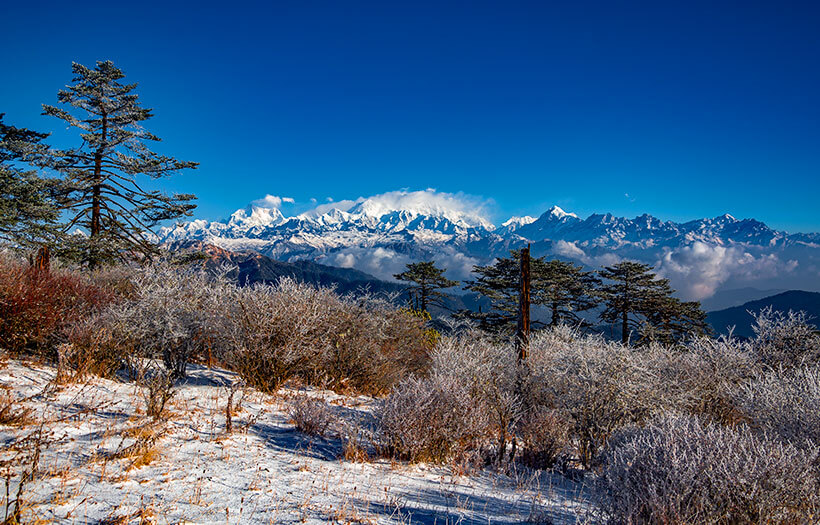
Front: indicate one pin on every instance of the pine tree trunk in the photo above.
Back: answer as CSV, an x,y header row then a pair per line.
x,y
424,293
625,327
96,194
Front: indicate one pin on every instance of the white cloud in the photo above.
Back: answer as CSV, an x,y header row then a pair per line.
x,y
573,251
343,205
345,260
457,207
568,249
384,263
454,206
699,269
271,202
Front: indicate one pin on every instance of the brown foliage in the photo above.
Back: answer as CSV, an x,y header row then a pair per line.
x,y
37,307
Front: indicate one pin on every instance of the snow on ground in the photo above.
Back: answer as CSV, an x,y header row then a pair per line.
x,y
188,470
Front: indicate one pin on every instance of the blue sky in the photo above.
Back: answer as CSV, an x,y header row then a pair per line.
x,y
678,109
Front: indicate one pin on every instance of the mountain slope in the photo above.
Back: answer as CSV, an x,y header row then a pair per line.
x,y
728,298
379,235
741,318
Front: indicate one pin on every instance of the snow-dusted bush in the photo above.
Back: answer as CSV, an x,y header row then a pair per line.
x,y
711,372
784,402
277,331
373,345
430,419
469,402
597,385
311,416
172,313
677,470
785,338
296,330
157,388
95,346
489,372
600,385
544,435
267,333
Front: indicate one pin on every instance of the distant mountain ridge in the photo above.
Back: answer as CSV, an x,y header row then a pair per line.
x,y
740,317
379,235
736,297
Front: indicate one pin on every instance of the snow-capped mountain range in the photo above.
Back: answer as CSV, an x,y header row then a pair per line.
x,y
380,234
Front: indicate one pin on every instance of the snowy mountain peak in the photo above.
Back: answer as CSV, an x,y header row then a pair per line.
x,y
382,233
514,223
255,217
402,206
518,221
558,213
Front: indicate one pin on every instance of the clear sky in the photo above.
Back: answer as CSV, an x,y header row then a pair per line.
x,y
679,109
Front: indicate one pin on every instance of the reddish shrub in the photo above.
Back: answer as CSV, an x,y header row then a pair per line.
x,y
36,307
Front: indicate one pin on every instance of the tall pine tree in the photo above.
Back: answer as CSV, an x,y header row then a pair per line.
x,y
427,281
28,209
628,291
562,287
499,282
104,195
567,290
670,320
640,302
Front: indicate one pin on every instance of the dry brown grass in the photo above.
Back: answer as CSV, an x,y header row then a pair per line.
x,y
11,413
144,450
355,452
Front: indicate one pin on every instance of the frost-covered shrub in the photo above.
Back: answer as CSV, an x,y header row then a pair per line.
x,y
784,402
489,373
372,346
599,385
785,338
277,331
172,313
677,470
595,384
467,403
296,330
712,370
95,346
430,419
311,416
544,435
157,388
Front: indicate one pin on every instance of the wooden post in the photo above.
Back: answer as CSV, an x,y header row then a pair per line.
x,y
41,262
523,333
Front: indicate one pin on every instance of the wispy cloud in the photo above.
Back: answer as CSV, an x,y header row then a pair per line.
x,y
272,201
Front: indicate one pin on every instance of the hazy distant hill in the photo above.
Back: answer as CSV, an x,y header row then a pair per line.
x,y
741,319
728,298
